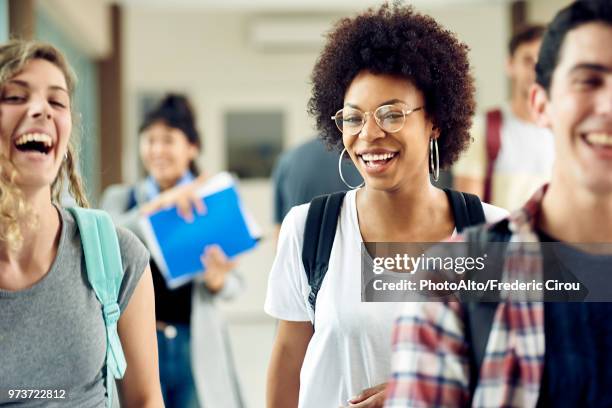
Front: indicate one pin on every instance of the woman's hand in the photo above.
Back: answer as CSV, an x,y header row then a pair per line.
x,y
370,397
217,267
184,197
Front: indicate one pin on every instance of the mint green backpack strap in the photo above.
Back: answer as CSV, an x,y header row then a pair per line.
x,y
105,274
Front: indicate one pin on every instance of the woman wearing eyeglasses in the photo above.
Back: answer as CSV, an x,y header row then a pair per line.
x,y
392,90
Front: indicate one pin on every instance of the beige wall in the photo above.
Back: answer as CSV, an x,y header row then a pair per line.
x,y
543,11
87,22
209,56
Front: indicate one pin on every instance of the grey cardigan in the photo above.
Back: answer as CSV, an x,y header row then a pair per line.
x,y
212,363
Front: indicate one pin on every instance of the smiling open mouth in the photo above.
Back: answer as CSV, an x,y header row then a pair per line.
x,y
374,160
34,142
598,139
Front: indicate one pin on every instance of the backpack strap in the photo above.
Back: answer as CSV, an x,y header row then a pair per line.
x,y
474,208
105,274
478,320
478,315
319,234
494,122
467,209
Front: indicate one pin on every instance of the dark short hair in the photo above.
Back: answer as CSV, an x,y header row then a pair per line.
x,y
395,40
524,35
576,14
175,111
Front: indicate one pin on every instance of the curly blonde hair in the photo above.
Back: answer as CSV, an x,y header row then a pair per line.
x,y
15,214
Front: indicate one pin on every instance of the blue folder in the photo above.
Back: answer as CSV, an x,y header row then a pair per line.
x,y
176,245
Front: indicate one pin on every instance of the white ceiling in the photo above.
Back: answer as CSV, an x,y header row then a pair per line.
x,y
287,5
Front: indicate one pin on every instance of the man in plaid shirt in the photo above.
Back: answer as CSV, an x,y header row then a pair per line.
x,y
537,353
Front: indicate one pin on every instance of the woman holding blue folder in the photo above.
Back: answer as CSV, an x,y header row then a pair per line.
x,y
196,365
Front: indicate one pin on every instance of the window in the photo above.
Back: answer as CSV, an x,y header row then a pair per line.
x,y
254,141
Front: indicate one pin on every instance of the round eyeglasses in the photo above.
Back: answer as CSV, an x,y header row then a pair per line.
x,y
390,118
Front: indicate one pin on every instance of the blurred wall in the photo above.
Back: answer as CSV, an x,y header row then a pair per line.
x,y
86,22
4,20
209,56
543,11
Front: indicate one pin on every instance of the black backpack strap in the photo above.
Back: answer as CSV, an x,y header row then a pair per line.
x,y
474,209
319,234
478,320
478,315
467,209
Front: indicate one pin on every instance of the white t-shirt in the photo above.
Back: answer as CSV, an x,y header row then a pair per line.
x,y
350,349
524,162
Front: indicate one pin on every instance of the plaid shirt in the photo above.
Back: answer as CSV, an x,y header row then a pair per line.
x,y
430,363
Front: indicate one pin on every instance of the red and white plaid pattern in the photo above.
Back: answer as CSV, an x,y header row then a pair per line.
x,y
430,364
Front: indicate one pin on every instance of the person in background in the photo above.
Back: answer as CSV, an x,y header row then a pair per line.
x,y
297,181
544,354
52,329
392,89
511,156
196,364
